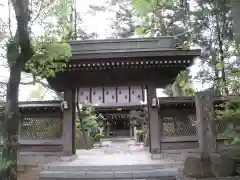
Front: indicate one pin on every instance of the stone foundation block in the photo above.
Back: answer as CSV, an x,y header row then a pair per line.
x,y
68,158
184,177
156,156
198,167
222,165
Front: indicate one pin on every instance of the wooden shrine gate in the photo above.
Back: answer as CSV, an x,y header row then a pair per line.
x,y
146,62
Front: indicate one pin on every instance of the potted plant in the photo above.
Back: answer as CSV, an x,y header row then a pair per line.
x,y
98,137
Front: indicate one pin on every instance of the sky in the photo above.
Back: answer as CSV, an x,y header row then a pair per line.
x,y
99,23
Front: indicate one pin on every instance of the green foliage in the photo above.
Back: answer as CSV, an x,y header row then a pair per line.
x,y
52,50
232,110
141,30
90,118
144,6
49,59
182,86
162,18
231,115
232,136
99,135
236,73
4,167
4,164
138,117
220,65
185,83
140,132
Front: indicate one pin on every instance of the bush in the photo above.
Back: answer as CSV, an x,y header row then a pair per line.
x,y
140,132
99,135
4,168
230,115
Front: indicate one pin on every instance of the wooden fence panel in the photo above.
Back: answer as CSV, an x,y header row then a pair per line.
x,y
178,119
40,127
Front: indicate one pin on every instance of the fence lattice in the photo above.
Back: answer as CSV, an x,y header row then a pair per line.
x,y
183,125
41,127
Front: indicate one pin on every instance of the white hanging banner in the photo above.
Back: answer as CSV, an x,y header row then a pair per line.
x,y
111,96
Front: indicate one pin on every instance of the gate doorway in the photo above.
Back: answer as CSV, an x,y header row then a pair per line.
x,y
120,128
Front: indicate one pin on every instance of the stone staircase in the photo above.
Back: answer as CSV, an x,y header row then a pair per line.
x,y
144,172
119,159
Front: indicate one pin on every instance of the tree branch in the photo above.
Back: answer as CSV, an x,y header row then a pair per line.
x,y
41,8
35,80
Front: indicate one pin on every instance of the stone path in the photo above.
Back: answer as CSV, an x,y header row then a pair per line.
x,y
118,153
118,160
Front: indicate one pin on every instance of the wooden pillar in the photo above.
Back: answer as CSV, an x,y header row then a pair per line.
x,y
206,122
69,124
154,125
74,121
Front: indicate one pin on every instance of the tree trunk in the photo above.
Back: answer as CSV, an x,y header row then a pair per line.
x,y
11,121
176,89
84,133
220,45
19,51
235,5
82,126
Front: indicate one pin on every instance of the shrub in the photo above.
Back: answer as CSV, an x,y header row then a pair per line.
x,y
4,168
140,132
98,137
230,115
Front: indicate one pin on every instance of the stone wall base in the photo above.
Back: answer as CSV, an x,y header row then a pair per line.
x,y
35,159
28,172
30,165
156,156
181,176
179,155
31,160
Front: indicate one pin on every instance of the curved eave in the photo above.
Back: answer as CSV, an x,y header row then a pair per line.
x,y
133,53
89,69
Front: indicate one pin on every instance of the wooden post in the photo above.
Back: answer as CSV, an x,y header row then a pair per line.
x,y
206,122
68,124
154,125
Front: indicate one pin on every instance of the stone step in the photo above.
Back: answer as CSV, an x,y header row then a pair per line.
x,y
135,167
160,174
117,139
